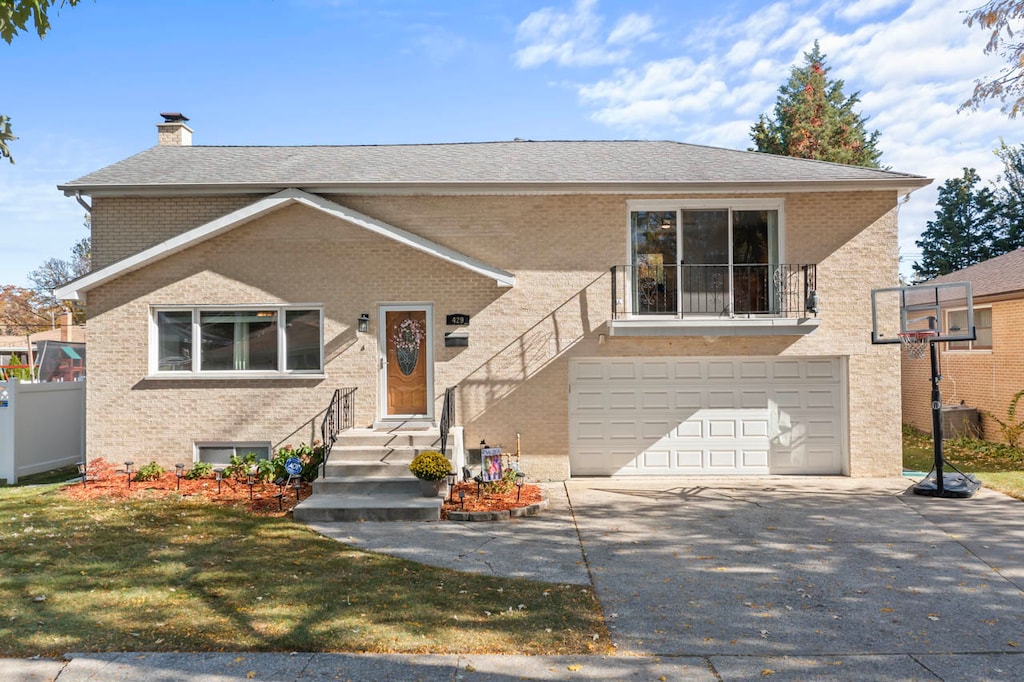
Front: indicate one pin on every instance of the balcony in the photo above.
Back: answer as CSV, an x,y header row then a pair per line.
x,y
713,300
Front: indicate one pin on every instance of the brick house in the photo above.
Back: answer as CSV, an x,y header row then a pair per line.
x,y
627,307
984,373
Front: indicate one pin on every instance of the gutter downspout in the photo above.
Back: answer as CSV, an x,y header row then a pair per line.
x,y
83,203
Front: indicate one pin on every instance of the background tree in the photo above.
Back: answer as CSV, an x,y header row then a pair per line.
x,y
15,16
813,119
1010,195
965,230
19,312
56,272
1003,20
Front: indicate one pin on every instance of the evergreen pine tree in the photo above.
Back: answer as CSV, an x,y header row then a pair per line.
x,y
965,230
813,119
1010,195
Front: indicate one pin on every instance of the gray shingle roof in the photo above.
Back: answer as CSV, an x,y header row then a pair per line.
x,y
468,164
1000,275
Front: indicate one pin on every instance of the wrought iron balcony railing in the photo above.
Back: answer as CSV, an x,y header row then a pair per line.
x,y
714,290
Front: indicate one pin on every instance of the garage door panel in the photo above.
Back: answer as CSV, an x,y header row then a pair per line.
x,y
755,459
722,459
655,400
590,370
590,430
654,371
621,370
786,370
691,428
721,400
754,428
822,369
689,400
822,399
717,369
657,460
623,429
754,400
688,369
588,400
623,400
753,370
654,430
714,415
689,461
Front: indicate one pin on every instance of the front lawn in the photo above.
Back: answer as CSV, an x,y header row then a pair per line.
x,y
181,575
1000,467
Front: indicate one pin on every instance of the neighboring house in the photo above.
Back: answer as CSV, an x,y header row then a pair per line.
x,y
58,353
984,373
627,307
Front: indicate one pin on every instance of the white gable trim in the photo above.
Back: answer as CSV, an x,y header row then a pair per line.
x,y
76,290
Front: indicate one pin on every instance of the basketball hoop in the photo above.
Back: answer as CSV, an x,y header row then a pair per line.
x,y
916,342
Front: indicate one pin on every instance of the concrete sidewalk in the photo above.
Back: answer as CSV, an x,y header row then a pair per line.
x,y
729,579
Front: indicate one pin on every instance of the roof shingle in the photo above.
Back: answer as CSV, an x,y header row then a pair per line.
x,y
1000,275
519,162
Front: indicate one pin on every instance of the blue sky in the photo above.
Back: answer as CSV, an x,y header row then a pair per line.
x,y
406,71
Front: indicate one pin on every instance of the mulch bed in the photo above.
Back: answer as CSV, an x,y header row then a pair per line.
x,y
489,501
108,481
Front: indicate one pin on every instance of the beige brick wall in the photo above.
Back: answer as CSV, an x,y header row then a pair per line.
x,y
986,380
513,377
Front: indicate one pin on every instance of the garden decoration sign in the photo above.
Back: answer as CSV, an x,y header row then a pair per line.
x,y
407,339
490,464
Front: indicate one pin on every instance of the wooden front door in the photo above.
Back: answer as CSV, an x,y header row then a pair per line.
x,y
407,363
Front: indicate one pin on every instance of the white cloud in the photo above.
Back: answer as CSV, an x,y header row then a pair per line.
x,y
574,39
913,62
632,27
863,9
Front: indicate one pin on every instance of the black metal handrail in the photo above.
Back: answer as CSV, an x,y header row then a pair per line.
x,y
447,415
340,415
775,290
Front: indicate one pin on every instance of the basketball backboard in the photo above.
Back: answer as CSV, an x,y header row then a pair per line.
x,y
947,309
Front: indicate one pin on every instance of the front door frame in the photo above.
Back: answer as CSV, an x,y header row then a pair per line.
x,y
382,402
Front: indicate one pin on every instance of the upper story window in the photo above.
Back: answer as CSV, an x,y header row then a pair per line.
x,y
957,319
714,257
236,341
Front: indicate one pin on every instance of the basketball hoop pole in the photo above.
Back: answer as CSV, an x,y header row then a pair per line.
x,y
959,485
940,460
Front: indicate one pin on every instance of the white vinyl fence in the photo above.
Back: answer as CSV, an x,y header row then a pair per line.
x,y
42,427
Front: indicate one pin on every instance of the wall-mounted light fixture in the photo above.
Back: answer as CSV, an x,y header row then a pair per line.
x,y
813,302
364,323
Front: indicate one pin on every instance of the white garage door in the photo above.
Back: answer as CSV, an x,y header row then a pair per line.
x,y
648,416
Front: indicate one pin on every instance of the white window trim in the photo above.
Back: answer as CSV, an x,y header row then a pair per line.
x,y
235,445
195,373
724,203
970,348
727,204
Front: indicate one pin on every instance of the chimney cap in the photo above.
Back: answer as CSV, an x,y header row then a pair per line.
x,y
174,117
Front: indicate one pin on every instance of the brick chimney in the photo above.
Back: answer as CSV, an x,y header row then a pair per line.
x,y
173,132
66,322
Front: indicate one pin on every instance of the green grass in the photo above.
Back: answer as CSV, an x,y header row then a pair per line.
x,y
999,466
175,575
54,476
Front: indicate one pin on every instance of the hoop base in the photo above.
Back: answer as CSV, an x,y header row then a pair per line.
x,y
954,485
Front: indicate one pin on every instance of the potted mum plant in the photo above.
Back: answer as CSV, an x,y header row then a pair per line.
x,y
431,467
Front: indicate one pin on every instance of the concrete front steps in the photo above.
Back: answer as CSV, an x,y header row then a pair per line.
x,y
368,479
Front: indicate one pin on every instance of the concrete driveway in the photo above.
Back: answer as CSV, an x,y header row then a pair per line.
x,y
720,580
835,572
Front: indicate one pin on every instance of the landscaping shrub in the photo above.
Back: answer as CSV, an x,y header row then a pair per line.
x,y
150,472
199,470
430,465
